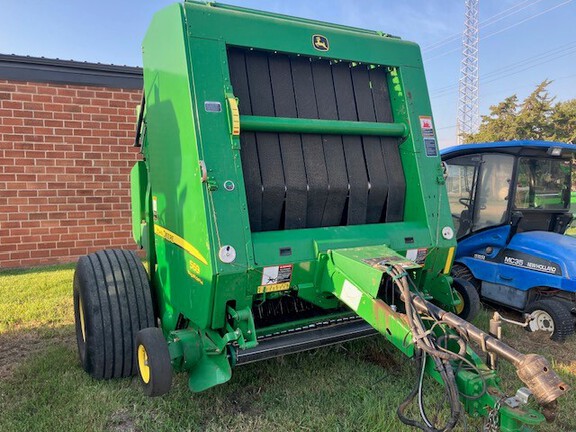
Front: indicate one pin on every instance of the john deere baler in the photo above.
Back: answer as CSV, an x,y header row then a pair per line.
x,y
290,196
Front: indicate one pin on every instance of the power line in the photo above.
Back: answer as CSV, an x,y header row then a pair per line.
x,y
489,94
526,63
505,29
559,52
527,19
489,21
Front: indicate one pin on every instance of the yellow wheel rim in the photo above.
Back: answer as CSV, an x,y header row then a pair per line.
x,y
459,308
82,322
143,364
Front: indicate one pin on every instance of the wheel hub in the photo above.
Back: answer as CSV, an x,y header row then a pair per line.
x,y
82,321
542,321
143,364
459,308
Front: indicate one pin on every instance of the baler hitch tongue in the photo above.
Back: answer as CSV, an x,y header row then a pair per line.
x,y
439,340
533,369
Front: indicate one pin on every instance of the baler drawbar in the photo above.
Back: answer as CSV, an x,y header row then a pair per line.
x,y
290,197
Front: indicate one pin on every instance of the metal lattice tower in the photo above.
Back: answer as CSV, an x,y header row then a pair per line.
x,y
468,112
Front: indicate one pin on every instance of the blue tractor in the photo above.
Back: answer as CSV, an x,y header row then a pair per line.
x,y
510,204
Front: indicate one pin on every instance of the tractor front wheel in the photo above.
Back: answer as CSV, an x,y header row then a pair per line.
x,y
553,316
469,299
462,272
154,366
112,302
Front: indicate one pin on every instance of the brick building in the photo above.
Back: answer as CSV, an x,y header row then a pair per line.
x,y
66,149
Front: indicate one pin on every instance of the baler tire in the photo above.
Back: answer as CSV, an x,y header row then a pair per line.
x,y
154,366
562,318
469,296
112,302
462,272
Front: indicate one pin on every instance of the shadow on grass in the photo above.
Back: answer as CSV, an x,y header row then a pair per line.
x,y
18,346
34,270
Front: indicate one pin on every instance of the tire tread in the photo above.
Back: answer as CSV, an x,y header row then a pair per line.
x,y
116,296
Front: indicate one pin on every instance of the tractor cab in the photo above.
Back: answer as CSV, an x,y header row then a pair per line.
x,y
510,204
521,184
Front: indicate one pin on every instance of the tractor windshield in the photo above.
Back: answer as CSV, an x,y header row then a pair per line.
x,y
478,189
543,184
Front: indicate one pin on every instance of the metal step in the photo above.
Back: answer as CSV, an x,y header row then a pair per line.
x,y
291,343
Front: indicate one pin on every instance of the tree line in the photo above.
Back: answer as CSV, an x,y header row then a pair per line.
x,y
538,117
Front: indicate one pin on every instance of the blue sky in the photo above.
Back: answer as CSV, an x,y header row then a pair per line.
x,y
522,42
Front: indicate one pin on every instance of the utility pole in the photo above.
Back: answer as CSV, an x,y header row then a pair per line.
x,y
468,112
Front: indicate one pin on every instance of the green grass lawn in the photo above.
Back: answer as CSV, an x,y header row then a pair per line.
x,y
350,387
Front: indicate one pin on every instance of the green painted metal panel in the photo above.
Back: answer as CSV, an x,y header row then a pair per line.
x,y
138,185
243,27
172,154
326,127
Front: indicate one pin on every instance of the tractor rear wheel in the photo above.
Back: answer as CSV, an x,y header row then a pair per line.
x,y
553,316
112,302
154,366
469,299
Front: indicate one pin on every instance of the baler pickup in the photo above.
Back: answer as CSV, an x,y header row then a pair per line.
x,y
290,197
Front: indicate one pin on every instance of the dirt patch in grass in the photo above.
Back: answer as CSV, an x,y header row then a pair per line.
x,y
17,346
121,421
383,358
245,400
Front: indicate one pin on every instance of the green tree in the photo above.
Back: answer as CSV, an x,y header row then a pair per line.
x,y
564,121
536,118
500,124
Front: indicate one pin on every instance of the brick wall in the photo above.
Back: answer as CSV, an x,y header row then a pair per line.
x,y
65,158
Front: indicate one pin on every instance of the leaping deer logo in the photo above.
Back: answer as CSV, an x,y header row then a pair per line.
x,y
320,42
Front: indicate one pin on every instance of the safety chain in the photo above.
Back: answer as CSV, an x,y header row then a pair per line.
x,y
492,423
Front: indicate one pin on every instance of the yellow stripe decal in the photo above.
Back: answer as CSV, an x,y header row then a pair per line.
x,y
449,260
273,288
179,241
235,113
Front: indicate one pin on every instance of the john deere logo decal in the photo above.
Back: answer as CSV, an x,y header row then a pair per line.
x,y
320,43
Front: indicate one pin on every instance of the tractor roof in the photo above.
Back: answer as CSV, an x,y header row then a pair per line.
x,y
512,147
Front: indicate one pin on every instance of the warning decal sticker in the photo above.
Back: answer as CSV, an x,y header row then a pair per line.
x,y
275,278
427,126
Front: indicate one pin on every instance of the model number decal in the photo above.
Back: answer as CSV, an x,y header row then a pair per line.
x,y
531,263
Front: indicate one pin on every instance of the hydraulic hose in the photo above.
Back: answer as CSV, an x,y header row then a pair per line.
x,y
426,345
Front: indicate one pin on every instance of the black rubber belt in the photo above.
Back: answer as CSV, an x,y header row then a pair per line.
x,y
333,149
304,181
248,148
372,150
311,144
355,162
390,148
270,159
290,145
